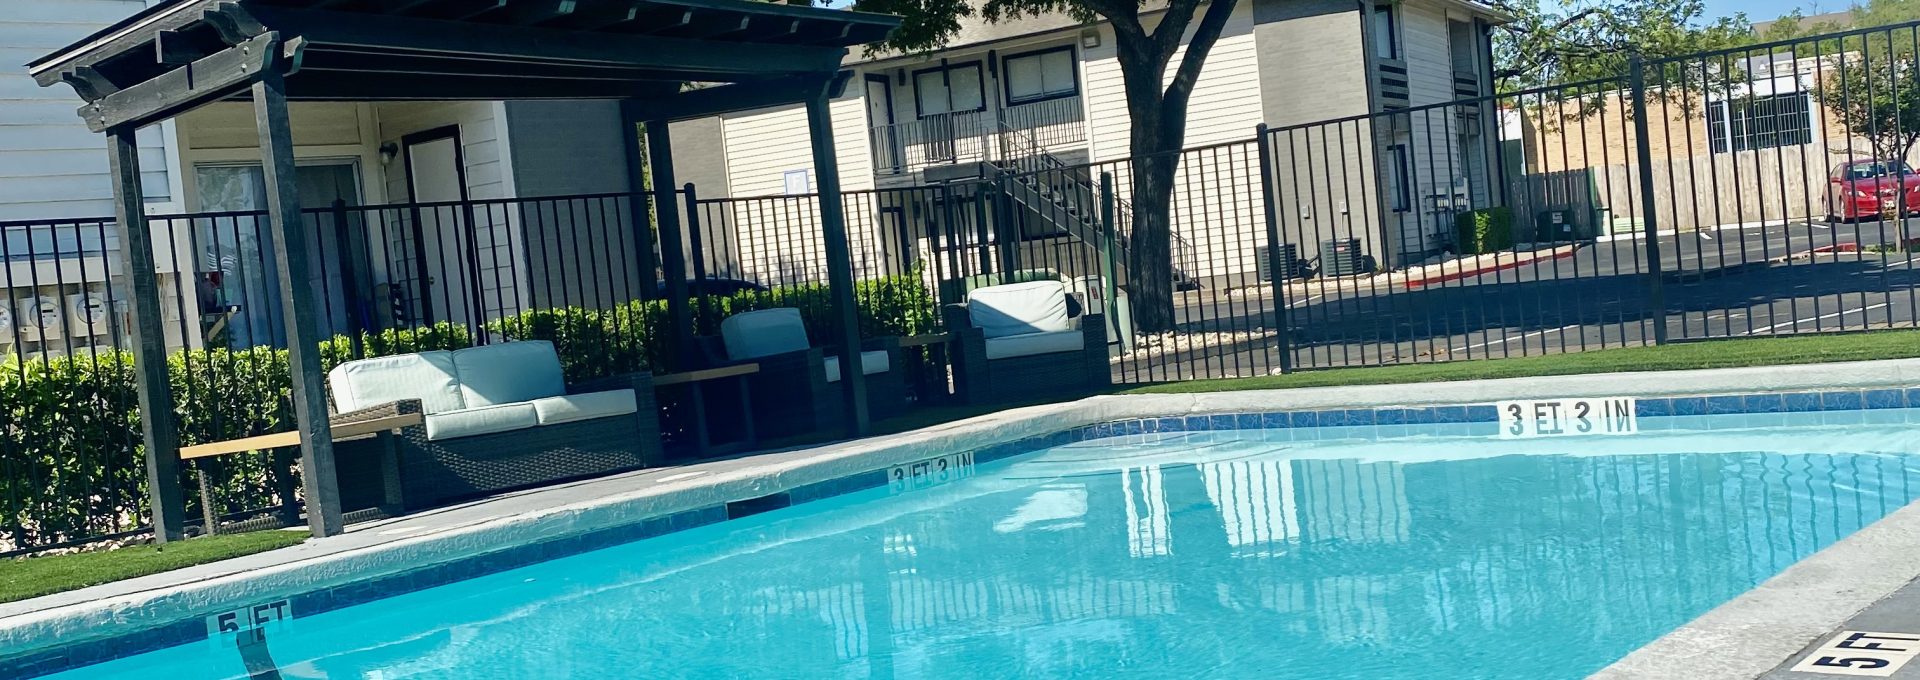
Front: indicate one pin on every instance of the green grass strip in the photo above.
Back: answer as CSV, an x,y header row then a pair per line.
x,y
1739,353
25,577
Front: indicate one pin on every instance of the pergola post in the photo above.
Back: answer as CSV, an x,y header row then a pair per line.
x,y
833,231
303,343
673,260
637,212
157,428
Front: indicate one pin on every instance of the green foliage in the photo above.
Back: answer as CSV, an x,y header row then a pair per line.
x,y
22,578
1484,231
1551,42
594,343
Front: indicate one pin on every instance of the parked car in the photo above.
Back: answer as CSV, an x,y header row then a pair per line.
x,y
1867,188
713,285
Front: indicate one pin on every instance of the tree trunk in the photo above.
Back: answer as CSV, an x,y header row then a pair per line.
x,y
1150,259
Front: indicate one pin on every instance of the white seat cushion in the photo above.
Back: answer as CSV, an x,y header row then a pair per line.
x,y
427,376
1019,308
509,373
577,407
478,421
751,335
870,363
1035,343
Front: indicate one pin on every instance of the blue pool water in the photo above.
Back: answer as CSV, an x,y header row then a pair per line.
x,y
1235,554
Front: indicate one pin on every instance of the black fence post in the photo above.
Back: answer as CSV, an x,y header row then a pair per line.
x,y
1275,267
359,305
696,242
1649,210
1110,265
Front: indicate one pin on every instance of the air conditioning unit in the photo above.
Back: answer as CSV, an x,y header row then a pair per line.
x,y
39,317
1289,262
89,313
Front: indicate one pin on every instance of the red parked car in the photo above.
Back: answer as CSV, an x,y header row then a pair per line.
x,y
1871,188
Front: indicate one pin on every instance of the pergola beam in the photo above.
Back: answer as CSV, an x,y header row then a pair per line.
x,y
352,86
740,97
695,59
188,87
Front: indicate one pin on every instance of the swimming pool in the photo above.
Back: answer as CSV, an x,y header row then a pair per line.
x,y
1308,552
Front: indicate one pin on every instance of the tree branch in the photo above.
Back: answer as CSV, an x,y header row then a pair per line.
x,y
1204,38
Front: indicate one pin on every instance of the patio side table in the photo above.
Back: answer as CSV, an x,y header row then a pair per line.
x,y
700,425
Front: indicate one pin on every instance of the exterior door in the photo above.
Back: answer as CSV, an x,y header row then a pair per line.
x,y
886,141
442,251
237,266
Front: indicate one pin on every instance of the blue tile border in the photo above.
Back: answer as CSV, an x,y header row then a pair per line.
x,y
1843,407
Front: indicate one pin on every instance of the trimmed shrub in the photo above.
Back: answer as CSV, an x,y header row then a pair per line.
x,y
1484,231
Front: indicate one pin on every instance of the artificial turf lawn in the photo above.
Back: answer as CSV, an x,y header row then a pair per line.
x,y
25,577
1709,354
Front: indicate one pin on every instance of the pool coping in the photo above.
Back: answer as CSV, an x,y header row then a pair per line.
x,y
347,568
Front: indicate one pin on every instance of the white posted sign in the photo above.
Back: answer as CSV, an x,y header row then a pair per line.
x,y
1567,417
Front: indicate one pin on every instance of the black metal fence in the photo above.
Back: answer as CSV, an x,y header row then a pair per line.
x,y
1758,191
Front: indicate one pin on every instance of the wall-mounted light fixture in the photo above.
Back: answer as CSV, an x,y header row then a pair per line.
x,y
388,152
1090,38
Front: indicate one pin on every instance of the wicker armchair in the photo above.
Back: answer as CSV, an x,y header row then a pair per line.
x,y
498,417
797,390
1018,342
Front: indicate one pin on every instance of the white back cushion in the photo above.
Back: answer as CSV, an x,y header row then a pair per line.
x,y
427,376
509,373
767,332
1019,308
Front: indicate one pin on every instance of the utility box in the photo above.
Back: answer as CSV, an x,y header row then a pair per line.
x,y
1119,316
40,316
1564,223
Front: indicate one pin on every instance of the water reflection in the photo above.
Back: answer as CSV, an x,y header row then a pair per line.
x,y
1246,565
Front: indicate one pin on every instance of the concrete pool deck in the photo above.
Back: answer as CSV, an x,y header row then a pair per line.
x,y
376,549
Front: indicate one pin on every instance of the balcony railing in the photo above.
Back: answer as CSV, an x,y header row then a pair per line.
x,y
973,136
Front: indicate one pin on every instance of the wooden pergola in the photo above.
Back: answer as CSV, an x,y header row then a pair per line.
x,y
664,60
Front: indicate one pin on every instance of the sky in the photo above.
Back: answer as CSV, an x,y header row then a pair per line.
x,y
1762,10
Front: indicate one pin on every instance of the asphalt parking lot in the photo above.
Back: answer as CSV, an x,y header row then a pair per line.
x,y
1781,278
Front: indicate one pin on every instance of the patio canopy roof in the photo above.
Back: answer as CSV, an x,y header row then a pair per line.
x,y
181,54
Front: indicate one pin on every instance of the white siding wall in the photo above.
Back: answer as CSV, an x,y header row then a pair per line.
x,y
483,151
50,164
1432,136
1223,227
761,147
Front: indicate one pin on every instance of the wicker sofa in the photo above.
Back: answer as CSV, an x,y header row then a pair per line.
x,y
1024,341
497,417
798,387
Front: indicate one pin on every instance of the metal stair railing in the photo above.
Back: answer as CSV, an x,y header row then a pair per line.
x,y
1025,161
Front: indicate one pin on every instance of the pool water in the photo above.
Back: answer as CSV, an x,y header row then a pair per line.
x,y
1234,554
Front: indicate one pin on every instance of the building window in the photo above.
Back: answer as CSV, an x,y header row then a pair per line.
x,y
1039,76
953,89
1386,31
1765,122
1398,183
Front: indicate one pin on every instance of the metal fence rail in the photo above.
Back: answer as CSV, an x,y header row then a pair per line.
x,y
1756,191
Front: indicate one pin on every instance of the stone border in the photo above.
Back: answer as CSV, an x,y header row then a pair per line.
x,y
138,615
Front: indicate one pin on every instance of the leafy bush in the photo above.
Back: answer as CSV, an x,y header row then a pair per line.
x,y
1484,231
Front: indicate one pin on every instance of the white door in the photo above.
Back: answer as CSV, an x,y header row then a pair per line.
x,y
435,176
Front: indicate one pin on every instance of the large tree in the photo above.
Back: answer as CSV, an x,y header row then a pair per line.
x,y
1146,36
1565,41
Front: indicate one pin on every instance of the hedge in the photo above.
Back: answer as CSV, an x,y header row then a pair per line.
x,y
594,342
71,463
1484,231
